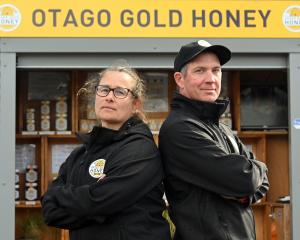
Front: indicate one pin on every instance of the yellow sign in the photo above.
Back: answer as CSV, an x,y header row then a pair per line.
x,y
151,18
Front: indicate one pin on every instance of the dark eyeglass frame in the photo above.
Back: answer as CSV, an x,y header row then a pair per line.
x,y
114,91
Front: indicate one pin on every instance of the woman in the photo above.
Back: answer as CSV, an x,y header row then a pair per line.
x,y
110,188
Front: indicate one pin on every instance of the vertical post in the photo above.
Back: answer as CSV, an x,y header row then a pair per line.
x,y
7,144
294,113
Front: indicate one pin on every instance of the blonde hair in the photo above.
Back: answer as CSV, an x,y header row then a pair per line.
x,y
138,91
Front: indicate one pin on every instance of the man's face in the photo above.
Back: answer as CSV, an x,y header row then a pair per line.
x,y
202,79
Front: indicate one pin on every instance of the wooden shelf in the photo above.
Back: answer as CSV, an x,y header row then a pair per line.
x,y
37,136
22,136
32,204
262,133
62,136
271,204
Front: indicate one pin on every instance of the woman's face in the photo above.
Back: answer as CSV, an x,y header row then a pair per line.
x,y
113,111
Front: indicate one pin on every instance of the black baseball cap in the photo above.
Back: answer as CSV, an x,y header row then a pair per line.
x,y
189,51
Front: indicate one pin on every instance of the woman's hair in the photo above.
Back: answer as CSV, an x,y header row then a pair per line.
x,y
88,89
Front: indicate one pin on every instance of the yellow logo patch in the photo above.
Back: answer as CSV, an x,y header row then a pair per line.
x,y
96,169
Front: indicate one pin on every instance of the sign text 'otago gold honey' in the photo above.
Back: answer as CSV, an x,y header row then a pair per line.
x,y
159,19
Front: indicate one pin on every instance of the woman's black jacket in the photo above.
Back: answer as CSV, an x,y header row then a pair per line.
x,y
124,205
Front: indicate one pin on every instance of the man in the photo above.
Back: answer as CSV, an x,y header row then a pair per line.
x,y
211,178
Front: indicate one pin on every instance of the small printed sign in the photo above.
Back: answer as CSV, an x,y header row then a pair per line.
x,y
296,123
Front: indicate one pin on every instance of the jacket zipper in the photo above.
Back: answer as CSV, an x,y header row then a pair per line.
x,y
220,134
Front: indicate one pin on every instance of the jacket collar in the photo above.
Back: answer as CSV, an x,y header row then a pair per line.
x,y
105,136
203,110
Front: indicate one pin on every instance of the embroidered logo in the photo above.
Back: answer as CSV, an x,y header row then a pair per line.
x,y
96,169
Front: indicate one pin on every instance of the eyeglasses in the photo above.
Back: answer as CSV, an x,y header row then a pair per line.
x,y
119,92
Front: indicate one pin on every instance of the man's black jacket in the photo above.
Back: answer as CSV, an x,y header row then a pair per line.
x,y
211,178
126,204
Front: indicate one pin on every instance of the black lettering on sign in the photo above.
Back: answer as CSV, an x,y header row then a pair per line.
x,y
38,18
103,18
87,17
54,16
70,19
